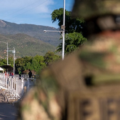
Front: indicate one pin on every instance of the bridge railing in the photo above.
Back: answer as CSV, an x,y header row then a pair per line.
x,y
15,86
2,79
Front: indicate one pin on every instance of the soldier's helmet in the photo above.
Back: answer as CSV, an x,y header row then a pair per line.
x,y
90,8
99,15
102,26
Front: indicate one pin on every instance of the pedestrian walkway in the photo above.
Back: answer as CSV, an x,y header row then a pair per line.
x,y
7,111
11,90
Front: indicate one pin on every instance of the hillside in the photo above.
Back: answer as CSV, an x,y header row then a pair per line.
x,y
35,31
25,45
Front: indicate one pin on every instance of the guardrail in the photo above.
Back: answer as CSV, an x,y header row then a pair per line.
x,y
14,87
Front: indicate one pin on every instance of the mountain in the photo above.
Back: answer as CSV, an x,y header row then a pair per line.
x,y
25,45
35,31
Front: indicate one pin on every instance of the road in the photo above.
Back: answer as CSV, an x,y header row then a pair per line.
x,y
7,110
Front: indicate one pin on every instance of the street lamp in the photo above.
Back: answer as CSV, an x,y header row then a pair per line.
x,y
13,51
63,32
13,60
7,49
63,27
52,31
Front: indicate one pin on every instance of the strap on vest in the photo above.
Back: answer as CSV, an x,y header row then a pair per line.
x,y
102,79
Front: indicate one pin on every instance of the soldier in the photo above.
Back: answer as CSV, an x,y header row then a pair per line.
x,y
79,88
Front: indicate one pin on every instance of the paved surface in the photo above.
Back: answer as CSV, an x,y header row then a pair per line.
x,y
7,111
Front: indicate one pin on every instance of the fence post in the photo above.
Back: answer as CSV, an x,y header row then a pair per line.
x,y
22,86
8,83
3,76
5,83
34,81
15,89
28,84
12,83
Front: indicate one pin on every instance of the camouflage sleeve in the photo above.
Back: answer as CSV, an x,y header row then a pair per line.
x,y
40,102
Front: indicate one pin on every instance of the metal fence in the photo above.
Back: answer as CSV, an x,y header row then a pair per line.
x,y
14,87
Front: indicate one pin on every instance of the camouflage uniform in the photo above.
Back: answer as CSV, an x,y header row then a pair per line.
x,y
61,86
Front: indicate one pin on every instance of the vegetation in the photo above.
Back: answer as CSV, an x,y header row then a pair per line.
x,y
30,50
4,61
35,63
35,31
72,42
25,45
50,57
73,27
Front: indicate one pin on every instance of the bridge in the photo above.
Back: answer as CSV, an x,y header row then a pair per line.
x,y
13,88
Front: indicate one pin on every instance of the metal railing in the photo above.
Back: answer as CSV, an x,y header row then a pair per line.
x,y
14,87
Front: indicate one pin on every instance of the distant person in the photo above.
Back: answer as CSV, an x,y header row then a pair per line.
x,y
30,73
19,74
12,74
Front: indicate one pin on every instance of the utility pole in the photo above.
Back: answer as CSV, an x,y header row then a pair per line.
x,y
13,51
7,53
63,33
7,49
13,60
52,31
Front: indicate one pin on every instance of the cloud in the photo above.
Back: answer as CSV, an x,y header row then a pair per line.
x,y
34,6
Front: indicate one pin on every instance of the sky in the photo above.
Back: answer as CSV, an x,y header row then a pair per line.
x,y
31,11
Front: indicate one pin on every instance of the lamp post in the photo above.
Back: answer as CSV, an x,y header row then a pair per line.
x,y
13,60
7,53
55,31
63,36
52,31
63,27
63,32
13,51
7,49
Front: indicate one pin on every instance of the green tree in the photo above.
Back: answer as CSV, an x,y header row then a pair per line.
x,y
37,63
72,42
21,63
71,25
27,59
40,60
34,63
28,66
3,62
50,57
74,37
10,61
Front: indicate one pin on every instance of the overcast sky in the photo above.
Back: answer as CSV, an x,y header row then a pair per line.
x,y
31,11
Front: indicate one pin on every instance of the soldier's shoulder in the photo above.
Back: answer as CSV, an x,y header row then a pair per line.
x,y
32,105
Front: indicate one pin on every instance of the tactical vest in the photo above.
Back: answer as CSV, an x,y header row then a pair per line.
x,y
84,98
